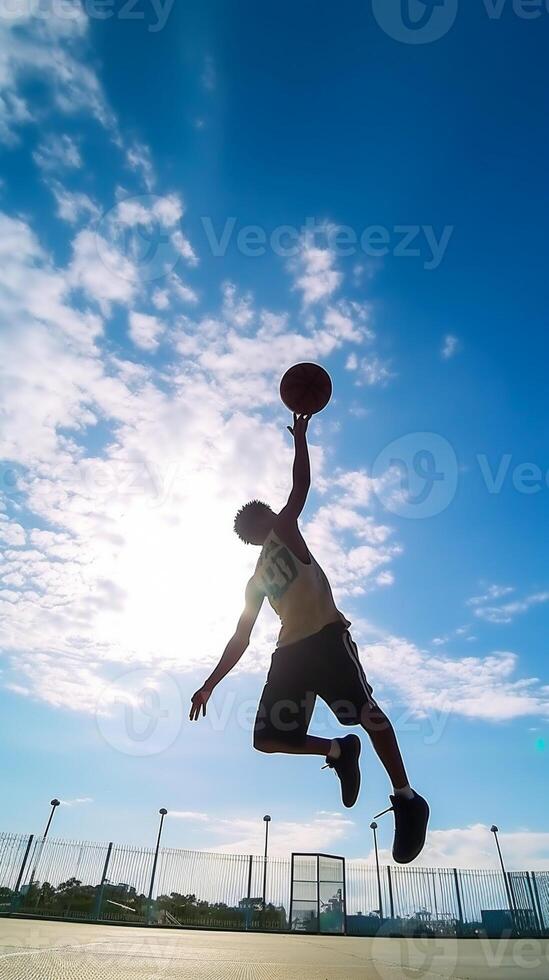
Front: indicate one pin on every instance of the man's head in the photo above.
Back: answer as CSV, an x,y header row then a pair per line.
x,y
253,522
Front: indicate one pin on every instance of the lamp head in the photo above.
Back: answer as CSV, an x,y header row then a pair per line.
x,y
373,825
267,818
163,811
55,802
494,829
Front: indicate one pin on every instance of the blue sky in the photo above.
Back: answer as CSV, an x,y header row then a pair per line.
x,y
191,201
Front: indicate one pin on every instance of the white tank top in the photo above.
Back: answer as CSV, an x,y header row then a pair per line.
x,y
299,593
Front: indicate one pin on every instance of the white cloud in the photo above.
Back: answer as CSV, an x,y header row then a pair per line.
x,y
161,299
209,75
314,273
474,847
474,687
138,158
492,592
349,321
450,347
191,815
47,50
103,273
57,152
72,205
145,330
238,310
78,801
487,608
243,835
11,533
371,371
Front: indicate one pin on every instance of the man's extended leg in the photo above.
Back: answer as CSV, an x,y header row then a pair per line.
x,y
350,696
382,735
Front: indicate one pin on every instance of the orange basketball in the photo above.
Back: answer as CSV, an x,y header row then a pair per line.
x,y
306,388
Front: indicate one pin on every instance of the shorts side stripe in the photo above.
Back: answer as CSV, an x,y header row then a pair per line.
x,y
352,650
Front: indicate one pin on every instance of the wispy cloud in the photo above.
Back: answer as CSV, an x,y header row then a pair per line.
x,y
245,835
314,272
57,152
145,330
370,370
209,74
473,847
450,347
52,49
487,608
484,687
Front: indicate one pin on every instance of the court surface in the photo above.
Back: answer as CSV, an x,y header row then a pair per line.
x,y
34,950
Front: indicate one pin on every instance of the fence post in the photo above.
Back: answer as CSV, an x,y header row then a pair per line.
x,y
458,896
291,890
390,883
16,896
99,899
533,886
318,893
249,907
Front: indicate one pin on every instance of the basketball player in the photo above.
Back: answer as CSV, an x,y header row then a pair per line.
x,y
315,655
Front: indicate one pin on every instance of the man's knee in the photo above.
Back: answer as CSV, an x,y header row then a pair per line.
x,y
279,742
265,743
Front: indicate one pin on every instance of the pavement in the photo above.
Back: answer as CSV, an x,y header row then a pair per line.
x,y
41,950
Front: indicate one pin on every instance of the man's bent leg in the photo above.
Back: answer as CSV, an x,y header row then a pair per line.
x,y
310,745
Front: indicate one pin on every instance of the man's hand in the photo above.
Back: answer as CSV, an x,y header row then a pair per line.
x,y
199,701
300,425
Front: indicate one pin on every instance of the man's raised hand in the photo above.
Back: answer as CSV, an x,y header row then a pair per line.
x,y
199,701
300,425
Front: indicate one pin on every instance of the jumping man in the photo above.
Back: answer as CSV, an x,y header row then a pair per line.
x,y
315,656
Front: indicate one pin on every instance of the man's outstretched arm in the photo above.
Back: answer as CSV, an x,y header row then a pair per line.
x,y
301,469
232,653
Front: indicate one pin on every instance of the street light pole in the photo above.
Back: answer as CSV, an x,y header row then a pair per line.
x,y
162,813
54,804
495,831
267,821
373,827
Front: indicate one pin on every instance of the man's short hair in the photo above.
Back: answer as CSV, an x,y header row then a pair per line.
x,y
244,521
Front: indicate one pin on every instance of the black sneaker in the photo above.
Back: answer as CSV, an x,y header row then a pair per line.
x,y
347,768
411,818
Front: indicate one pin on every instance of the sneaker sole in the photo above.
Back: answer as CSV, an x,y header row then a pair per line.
x,y
357,757
408,860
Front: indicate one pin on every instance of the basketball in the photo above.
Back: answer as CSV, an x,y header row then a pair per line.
x,y
306,388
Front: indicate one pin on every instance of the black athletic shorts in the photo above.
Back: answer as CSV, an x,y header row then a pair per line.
x,y
325,664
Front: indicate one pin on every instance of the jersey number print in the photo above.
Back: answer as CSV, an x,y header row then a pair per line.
x,y
278,571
